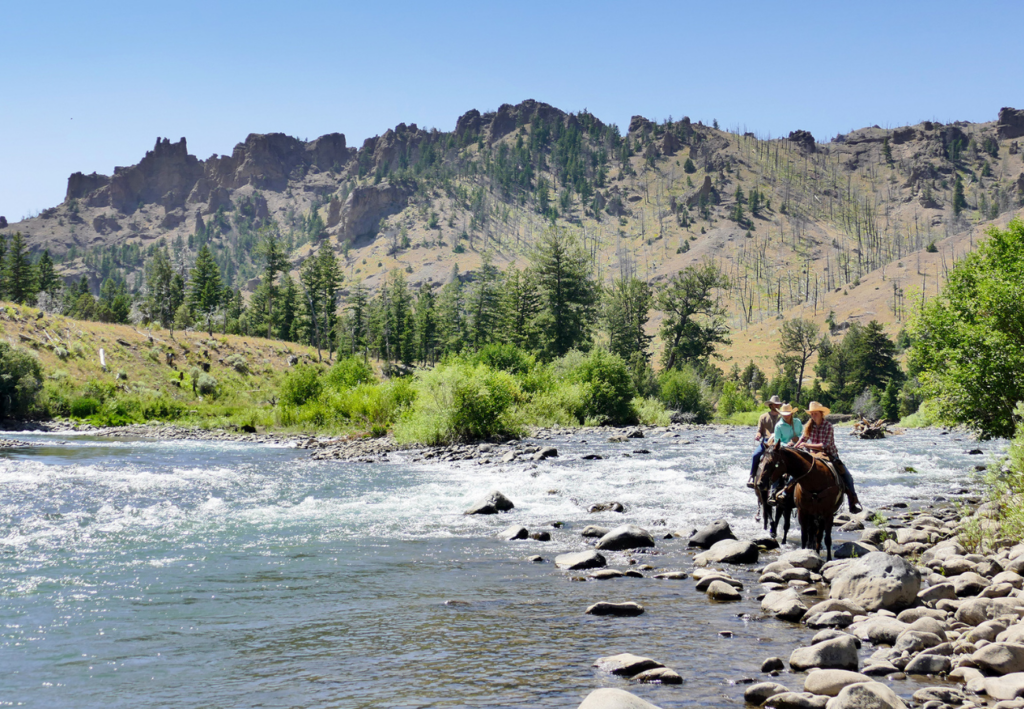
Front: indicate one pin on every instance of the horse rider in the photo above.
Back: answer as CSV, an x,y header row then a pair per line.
x,y
819,435
789,428
765,428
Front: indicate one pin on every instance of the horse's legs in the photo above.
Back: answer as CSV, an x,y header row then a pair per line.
x,y
805,528
828,537
786,510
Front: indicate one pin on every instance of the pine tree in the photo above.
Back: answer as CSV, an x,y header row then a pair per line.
x,y
484,304
520,305
274,263
206,291
451,317
959,202
320,278
425,316
886,150
49,281
19,273
286,310
568,293
356,317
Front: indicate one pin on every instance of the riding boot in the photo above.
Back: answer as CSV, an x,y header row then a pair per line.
x,y
854,502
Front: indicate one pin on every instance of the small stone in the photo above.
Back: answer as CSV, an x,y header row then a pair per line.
x,y
605,574
627,536
536,559
612,698
773,664
756,694
541,536
492,504
672,575
831,682
592,530
514,532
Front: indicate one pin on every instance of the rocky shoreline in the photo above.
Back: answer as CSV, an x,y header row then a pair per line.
x,y
905,599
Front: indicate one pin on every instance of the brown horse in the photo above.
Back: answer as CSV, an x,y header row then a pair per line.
x,y
817,493
776,509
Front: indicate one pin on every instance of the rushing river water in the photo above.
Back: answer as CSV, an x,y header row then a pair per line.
x,y
185,574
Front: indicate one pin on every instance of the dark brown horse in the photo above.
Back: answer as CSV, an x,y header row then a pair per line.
x,y
775,509
817,493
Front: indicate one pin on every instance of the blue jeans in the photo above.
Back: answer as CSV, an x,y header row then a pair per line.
x,y
756,460
847,478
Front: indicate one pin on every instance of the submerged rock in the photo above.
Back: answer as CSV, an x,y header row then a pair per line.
x,y
626,664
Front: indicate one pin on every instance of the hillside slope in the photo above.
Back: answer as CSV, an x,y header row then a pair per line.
x,y
856,226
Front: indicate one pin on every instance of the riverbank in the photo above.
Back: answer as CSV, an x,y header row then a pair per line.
x,y
907,600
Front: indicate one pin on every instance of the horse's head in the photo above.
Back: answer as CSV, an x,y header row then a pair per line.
x,y
773,470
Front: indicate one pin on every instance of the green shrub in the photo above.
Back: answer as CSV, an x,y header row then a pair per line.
x,y
60,352
734,399
347,373
505,357
237,362
651,412
459,401
609,388
683,390
21,380
563,404
206,385
83,407
371,404
300,385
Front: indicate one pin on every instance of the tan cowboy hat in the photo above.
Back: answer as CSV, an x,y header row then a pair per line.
x,y
815,406
774,400
787,410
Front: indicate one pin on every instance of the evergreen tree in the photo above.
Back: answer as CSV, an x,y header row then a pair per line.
x,y
959,201
286,309
451,317
274,263
627,305
206,291
19,274
886,150
483,301
694,321
320,278
689,167
49,281
3,262
114,303
520,305
568,293
425,316
356,321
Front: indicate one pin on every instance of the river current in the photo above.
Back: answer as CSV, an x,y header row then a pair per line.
x,y
141,573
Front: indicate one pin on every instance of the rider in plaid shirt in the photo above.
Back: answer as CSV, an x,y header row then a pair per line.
x,y
819,435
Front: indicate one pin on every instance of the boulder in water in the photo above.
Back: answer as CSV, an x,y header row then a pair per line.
x,y
592,530
626,664
838,654
831,682
611,698
627,536
711,534
728,551
580,560
867,695
514,532
493,503
878,580
620,609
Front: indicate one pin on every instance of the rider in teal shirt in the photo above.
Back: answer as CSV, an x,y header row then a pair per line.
x,y
788,428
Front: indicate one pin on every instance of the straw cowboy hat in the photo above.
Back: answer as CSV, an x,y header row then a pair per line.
x,y
787,410
815,406
774,400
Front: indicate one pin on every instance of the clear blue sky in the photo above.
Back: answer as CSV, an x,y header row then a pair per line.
x,y
87,86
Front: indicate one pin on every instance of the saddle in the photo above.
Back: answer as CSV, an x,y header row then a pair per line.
x,y
837,479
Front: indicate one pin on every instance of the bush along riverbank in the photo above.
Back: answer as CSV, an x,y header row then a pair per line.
x,y
917,594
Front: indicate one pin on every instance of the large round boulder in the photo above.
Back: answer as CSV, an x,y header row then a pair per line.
x,y
711,534
878,580
728,551
785,604
491,504
831,682
836,654
866,695
626,536
611,698
1000,658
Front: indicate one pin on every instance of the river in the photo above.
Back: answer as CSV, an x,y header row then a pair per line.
x,y
195,574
